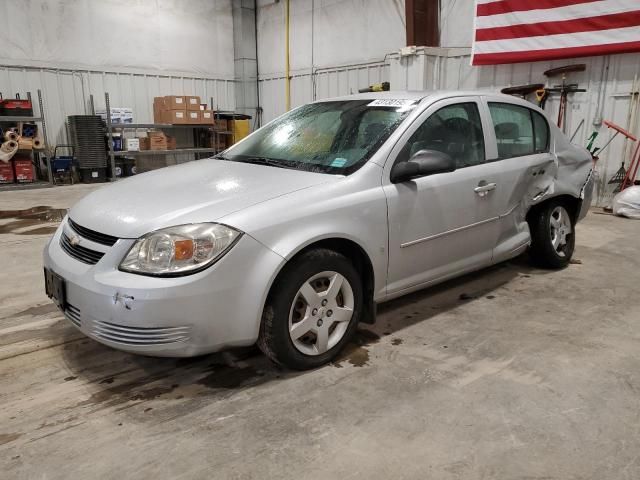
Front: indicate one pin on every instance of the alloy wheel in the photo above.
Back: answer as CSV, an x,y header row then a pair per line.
x,y
321,312
561,229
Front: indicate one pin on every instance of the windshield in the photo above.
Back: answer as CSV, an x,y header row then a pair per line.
x,y
329,137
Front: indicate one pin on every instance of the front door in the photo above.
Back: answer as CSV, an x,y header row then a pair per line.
x,y
444,224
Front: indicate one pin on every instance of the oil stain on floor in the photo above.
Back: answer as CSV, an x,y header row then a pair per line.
x,y
41,220
356,352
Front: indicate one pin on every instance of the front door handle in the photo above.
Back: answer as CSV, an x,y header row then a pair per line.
x,y
483,188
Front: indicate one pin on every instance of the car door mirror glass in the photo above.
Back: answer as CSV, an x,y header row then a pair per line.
x,y
421,164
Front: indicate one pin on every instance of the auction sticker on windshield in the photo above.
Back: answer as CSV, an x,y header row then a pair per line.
x,y
392,103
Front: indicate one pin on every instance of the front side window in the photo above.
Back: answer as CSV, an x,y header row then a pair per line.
x,y
455,130
519,130
329,137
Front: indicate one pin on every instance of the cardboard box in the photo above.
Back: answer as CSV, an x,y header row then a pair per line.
x,y
132,144
161,141
175,117
175,102
206,117
159,103
204,106
143,143
221,125
193,102
118,114
159,106
193,117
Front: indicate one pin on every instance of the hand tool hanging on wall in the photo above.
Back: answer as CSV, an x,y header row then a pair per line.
x,y
564,89
575,132
522,90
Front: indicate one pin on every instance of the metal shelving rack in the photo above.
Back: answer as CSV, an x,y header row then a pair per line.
x,y
35,119
112,127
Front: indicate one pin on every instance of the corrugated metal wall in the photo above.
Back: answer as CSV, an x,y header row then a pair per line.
x,y
322,83
66,92
608,81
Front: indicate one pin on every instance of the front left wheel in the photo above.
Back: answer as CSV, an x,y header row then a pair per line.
x,y
312,311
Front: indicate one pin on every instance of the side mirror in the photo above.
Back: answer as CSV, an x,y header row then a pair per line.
x,y
421,164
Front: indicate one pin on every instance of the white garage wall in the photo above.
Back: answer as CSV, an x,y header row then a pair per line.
x,y
134,49
456,23
336,47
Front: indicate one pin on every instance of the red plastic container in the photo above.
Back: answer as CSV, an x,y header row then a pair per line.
x,y
16,107
23,170
6,173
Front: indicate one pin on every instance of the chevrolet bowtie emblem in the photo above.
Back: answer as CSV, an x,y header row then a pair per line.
x,y
75,240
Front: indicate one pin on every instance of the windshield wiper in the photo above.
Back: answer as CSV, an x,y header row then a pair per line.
x,y
264,161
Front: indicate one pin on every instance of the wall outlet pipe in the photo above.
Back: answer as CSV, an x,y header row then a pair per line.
x,y
287,74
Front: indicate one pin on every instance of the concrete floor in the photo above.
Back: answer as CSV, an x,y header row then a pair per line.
x,y
510,373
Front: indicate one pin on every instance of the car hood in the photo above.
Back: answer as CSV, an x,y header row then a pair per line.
x,y
199,191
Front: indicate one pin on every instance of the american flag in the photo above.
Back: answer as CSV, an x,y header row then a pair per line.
x,y
512,31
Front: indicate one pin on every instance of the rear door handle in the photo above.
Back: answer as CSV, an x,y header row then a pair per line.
x,y
483,188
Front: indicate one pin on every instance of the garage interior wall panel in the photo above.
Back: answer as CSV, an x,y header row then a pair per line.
x,y
608,80
194,37
70,49
336,48
323,83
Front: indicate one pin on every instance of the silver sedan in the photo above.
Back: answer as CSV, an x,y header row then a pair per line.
x,y
293,235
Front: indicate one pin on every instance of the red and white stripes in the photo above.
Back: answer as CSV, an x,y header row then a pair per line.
x,y
511,31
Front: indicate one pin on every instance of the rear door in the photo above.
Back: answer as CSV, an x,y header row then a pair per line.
x,y
526,169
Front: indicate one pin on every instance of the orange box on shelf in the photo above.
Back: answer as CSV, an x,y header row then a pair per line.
x,y
221,125
144,143
158,141
206,117
175,117
193,102
194,117
175,102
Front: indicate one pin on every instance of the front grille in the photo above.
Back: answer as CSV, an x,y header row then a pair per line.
x,y
140,335
73,315
97,237
82,254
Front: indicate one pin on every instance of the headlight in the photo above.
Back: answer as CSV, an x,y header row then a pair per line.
x,y
179,250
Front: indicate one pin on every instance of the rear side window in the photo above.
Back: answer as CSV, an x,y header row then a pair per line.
x,y
540,132
519,130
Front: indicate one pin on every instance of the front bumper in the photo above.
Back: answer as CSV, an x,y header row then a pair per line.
x,y
217,308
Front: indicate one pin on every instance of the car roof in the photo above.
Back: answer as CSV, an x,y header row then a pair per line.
x,y
433,95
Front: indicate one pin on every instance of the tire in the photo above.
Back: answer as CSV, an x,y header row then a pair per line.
x,y
552,235
302,300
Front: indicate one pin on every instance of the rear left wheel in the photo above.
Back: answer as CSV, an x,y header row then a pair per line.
x,y
552,235
312,311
